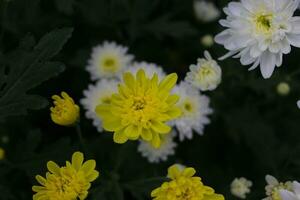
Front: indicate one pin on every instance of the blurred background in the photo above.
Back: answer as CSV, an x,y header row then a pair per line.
x,y
254,130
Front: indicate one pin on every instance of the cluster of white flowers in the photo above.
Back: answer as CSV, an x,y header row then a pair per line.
x,y
240,187
107,64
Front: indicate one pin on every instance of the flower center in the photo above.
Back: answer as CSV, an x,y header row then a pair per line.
x,y
263,23
110,64
188,106
61,108
139,104
105,100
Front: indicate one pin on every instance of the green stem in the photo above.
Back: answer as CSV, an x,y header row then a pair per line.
x,y
80,138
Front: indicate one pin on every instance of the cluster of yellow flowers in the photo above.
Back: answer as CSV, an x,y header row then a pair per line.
x,y
140,110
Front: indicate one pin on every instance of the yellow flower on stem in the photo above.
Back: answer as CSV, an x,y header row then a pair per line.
x,y
70,182
65,112
141,108
184,186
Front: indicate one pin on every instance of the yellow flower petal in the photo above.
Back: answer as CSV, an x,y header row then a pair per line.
x,y
146,135
173,172
120,137
215,197
77,160
155,142
112,125
168,82
93,176
189,172
88,166
41,180
160,127
53,168
129,80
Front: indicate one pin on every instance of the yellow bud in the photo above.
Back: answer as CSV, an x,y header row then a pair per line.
x,y
283,89
64,112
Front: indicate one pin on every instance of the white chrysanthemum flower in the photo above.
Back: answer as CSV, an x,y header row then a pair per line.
x,y
149,68
156,155
259,32
96,94
108,60
206,74
206,11
291,195
283,88
194,107
207,40
274,186
240,187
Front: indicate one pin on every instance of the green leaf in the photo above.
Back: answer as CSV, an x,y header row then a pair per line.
x,y
27,67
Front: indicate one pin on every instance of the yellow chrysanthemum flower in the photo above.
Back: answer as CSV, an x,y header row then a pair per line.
x,y
184,186
70,182
65,112
140,108
2,153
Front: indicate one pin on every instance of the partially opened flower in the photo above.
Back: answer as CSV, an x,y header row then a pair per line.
x,y
274,186
141,108
108,60
96,94
183,185
65,112
240,187
259,32
206,11
70,182
206,74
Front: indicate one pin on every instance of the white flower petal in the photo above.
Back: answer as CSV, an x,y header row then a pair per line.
x,y
267,64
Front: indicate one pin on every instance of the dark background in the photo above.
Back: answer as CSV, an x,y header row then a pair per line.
x,y
254,131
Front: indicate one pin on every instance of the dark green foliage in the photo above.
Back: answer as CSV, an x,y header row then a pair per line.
x,y
253,132
25,68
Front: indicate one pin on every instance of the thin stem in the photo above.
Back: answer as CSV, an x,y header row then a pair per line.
x,y
80,138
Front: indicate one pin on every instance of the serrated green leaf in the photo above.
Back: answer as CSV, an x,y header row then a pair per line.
x,y
25,68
